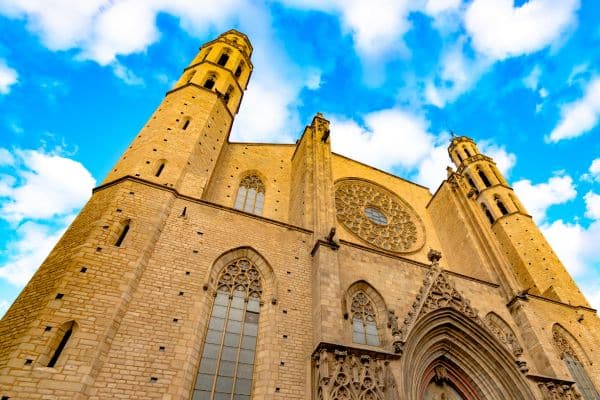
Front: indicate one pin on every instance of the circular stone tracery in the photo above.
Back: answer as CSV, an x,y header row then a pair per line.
x,y
378,216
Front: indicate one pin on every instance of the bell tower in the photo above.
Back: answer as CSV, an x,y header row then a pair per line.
x,y
534,263
181,143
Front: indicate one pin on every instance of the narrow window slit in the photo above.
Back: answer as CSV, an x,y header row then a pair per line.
x,y
61,347
123,234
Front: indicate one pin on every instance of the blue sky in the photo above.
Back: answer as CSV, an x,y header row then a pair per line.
x,y
78,80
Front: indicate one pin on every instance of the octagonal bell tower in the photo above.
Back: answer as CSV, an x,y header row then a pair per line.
x,y
533,261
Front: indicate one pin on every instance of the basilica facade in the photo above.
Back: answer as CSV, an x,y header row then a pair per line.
x,y
206,269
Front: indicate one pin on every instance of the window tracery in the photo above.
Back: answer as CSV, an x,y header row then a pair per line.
x,y
574,364
227,363
251,195
364,320
378,217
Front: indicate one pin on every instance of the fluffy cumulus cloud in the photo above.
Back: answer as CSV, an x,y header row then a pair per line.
x,y
63,183
503,159
387,138
579,116
103,29
376,26
592,205
592,175
8,77
499,29
39,195
537,198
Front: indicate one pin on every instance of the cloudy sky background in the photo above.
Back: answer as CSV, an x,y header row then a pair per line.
x,y
79,78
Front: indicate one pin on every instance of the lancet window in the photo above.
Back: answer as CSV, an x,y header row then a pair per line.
x,y
574,365
227,363
364,320
251,195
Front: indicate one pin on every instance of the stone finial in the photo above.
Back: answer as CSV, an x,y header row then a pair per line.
x,y
434,256
449,171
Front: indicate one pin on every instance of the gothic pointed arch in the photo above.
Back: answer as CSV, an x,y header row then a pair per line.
x,y
245,252
576,360
482,368
367,312
443,328
504,333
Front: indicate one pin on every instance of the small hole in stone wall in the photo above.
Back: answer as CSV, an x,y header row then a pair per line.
x,y
164,140
200,233
187,272
119,210
5,398
153,149
147,162
98,248
59,296
285,336
289,290
131,193
181,293
281,363
153,379
29,361
83,270
175,320
47,329
288,272
161,348
276,390
195,251
105,227
285,311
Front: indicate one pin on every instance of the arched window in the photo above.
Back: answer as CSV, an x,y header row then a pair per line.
x,y
63,335
574,364
251,195
472,184
467,152
227,94
209,83
501,206
227,362
459,157
484,178
239,69
364,321
186,123
224,58
488,214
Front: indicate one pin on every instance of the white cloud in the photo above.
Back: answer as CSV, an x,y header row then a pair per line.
x,y
592,205
537,198
433,7
432,169
532,79
24,255
377,26
63,183
503,159
389,138
6,157
593,172
457,75
577,248
8,77
579,116
126,75
500,30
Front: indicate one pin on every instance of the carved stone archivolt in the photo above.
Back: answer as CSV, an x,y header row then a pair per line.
x,y
503,333
343,376
378,216
562,343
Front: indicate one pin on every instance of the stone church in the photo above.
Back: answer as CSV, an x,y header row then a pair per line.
x,y
206,269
